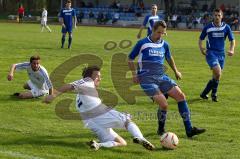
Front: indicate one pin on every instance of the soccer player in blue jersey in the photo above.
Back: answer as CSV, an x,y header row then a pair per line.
x,y
39,83
149,21
67,19
216,33
151,52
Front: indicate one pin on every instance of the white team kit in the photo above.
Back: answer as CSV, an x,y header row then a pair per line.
x,y
44,17
39,80
96,116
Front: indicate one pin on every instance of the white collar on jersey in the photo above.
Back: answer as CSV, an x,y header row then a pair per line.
x,y
157,42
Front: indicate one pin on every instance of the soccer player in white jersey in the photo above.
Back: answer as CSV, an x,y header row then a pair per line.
x,y
44,21
97,116
39,83
149,21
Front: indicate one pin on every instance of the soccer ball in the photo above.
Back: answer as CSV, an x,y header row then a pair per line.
x,y
169,140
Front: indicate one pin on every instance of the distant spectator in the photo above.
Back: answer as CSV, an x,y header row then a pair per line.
x,y
21,11
100,18
91,17
114,5
235,23
80,16
90,5
174,21
116,17
82,4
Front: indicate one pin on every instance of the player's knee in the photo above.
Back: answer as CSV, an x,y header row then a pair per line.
x,y
21,96
182,96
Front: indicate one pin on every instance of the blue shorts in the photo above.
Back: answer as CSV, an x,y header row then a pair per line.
x,y
66,29
214,58
153,84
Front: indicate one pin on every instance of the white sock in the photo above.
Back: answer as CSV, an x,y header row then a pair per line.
x,y
108,144
134,130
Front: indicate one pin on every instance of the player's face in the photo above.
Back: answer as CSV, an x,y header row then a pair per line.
x,y
35,65
154,9
218,17
96,76
159,33
68,5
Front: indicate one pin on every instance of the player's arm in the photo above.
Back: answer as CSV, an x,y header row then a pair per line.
x,y
232,47
133,70
173,66
61,22
61,90
200,45
11,72
140,32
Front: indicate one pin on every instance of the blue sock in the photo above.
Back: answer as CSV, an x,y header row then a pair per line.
x,y
162,116
215,87
208,87
63,40
69,41
185,114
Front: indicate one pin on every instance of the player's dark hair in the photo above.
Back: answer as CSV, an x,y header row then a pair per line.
x,y
68,1
218,10
159,23
88,71
35,57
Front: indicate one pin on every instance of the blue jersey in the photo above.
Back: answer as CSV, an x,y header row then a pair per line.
x,y
149,22
151,56
216,36
67,15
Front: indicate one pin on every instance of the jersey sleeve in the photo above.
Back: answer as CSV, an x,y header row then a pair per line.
x,y
46,77
77,85
145,21
61,14
136,50
22,66
74,13
229,33
167,51
203,34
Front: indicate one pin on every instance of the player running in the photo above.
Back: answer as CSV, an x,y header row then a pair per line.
x,y
149,21
98,117
152,52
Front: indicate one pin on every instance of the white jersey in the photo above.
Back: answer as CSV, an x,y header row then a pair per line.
x,y
44,15
87,98
39,78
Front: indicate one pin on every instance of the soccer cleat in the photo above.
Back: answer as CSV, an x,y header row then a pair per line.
x,y
16,94
214,98
160,132
94,145
196,131
204,96
144,143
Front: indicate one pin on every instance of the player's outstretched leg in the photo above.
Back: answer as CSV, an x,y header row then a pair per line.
x,y
138,137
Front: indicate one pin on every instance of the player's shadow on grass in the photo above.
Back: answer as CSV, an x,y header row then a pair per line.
x,y
51,141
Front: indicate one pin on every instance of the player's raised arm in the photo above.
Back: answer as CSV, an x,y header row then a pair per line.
x,y
63,89
11,72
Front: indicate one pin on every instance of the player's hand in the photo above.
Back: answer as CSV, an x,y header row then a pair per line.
x,y
135,79
203,51
178,75
48,99
230,53
10,77
75,26
63,25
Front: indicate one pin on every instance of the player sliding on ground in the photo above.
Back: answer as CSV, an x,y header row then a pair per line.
x,y
98,117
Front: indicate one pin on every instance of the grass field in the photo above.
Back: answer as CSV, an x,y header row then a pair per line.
x,y
31,129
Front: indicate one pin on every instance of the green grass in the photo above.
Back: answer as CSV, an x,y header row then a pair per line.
x,y
31,129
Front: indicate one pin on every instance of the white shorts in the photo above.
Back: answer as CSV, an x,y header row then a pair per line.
x,y
36,92
102,125
43,22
